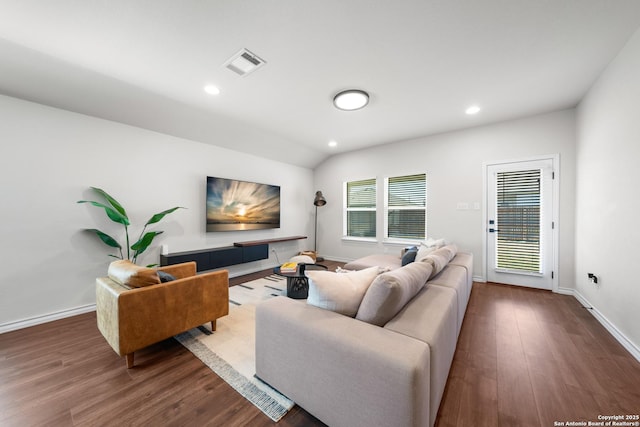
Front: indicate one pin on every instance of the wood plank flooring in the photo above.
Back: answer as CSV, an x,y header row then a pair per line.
x,y
528,357
525,358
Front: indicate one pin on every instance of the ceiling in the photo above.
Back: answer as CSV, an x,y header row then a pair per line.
x,y
145,63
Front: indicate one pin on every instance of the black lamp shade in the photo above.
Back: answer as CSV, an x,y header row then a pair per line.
x,y
319,200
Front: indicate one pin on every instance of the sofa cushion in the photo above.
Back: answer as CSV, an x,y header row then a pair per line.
x,y
391,291
339,292
126,273
384,261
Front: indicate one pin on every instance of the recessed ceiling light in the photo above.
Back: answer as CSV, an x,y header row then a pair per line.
x,y
474,109
350,100
212,90
333,143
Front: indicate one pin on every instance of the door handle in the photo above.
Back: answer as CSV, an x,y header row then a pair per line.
x,y
493,230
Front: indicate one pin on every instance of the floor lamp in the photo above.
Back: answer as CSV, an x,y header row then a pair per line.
x,y
318,201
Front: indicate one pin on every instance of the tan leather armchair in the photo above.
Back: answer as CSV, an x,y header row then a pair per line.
x,y
131,319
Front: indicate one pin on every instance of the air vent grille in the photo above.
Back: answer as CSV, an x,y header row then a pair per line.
x,y
244,62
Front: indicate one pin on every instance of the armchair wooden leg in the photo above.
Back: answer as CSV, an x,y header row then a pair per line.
x,y
213,325
129,358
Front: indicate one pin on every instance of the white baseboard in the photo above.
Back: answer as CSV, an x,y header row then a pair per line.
x,y
479,279
38,320
610,327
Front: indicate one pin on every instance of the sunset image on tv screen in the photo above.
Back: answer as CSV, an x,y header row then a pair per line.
x,y
240,205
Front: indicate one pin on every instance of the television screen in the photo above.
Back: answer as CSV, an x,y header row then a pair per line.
x,y
234,205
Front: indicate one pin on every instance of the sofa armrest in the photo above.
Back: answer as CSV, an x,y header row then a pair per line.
x,y
343,371
107,294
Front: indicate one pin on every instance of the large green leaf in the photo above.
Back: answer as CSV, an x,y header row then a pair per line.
x,y
113,214
106,238
142,244
157,217
113,202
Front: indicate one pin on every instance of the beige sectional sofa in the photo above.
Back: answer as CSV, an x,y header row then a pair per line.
x,y
347,372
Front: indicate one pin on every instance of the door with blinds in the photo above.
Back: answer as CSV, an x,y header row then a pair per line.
x,y
520,223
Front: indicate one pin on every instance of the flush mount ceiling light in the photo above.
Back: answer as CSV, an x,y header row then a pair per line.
x,y
332,143
474,109
352,99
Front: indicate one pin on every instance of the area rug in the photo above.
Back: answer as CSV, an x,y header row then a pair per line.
x,y
230,350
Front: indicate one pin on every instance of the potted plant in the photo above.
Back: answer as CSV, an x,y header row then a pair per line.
x,y
117,213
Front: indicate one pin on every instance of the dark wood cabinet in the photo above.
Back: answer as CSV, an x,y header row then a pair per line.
x,y
239,253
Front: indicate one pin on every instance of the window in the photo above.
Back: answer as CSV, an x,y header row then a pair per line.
x,y
360,212
518,206
406,207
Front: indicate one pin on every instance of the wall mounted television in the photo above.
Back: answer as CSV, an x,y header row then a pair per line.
x,y
234,205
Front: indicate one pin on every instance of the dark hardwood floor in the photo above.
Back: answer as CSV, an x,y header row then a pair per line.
x,y
528,357
525,358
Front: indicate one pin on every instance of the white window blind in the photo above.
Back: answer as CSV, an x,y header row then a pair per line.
x,y
406,206
518,221
361,208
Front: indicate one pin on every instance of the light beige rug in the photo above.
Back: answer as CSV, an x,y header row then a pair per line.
x,y
230,350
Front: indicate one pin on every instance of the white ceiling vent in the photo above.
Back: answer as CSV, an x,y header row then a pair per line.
x,y
244,62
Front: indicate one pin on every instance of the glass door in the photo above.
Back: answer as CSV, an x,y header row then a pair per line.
x,y
520,224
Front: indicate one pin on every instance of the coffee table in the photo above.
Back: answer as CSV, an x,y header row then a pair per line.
x,y
297,282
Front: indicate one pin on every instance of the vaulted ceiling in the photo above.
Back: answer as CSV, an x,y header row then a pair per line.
x,y
423,62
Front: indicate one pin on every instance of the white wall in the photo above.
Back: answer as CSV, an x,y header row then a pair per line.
x,y
453,163
608,194
50,157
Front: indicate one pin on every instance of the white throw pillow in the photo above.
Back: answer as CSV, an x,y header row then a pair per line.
x,y
302,259
423,251
437,243
339,292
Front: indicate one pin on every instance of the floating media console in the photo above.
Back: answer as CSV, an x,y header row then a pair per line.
x,y
239,253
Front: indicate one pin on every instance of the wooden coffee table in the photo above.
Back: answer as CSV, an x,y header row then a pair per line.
x,y
297,282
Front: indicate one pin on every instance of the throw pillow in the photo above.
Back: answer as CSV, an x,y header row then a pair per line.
x,y
165,277
127,273
409,256
438,243
342,292
302,259
438,261
391,291
449,251
311,254
407,248
423,251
